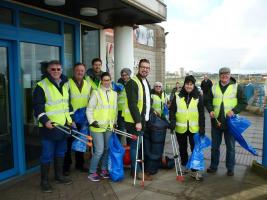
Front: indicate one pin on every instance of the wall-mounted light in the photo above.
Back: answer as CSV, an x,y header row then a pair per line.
x,y
88,11
54,2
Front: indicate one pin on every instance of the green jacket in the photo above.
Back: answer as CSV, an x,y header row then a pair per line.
x,y
241,104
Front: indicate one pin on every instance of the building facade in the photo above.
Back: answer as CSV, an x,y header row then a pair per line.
x,y
67,30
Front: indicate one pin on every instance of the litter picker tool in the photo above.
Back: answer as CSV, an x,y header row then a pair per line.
x,y
178,168
72,132
133,137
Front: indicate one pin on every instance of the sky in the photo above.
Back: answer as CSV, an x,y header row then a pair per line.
x,y
205,35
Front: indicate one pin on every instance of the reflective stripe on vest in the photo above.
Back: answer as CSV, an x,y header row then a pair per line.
x,y
79,99
121,100
228,98
158,103
127,114
186,116
92,83
105,111
57,104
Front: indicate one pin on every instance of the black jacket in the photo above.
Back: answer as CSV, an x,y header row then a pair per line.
x,y
194,94
131,89
241,103
206,86
39,107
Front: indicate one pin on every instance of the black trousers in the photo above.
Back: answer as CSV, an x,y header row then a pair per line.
x,y
79,157
183,145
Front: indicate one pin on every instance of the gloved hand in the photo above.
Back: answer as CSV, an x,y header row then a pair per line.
x,y
201,132
94,124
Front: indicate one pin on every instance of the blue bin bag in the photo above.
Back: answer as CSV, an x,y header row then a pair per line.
x,y
117,87
165,111
196,160
115,159
77,145
237,125
80,118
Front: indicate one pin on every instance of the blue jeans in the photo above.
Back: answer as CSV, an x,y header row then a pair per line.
x,y
101,147
51,149
216,136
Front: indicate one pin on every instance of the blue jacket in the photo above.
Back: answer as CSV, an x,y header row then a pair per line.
x,y
39,107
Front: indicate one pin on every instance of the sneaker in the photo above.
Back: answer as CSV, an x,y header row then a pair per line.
x,y
104,174
211,170
94,177
197,175
230,173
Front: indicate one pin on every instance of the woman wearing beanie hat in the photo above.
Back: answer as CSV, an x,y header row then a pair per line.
x,y
187,118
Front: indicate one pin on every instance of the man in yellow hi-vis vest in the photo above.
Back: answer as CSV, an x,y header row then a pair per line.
x,y
93,74
224,100
51,104
79,90
137,108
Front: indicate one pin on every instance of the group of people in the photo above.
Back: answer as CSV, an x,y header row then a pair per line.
x,y
56,98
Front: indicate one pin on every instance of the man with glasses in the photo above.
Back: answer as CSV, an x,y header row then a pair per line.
x,y
51,108
224,100
137,108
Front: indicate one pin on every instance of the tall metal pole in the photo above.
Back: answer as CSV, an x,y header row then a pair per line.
x,y
264,149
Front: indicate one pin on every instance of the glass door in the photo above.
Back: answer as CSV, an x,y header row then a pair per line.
x,y
7,152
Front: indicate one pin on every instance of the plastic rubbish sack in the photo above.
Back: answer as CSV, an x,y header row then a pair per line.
x,y
79,117
156,123
115,159
165,111
77,145
117,87
237,125
196,160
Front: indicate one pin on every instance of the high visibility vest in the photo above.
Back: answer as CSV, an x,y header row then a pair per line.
x,y
228,98
56,104
127,114
121,100
186,116
79,99
158,102
105,111
92,83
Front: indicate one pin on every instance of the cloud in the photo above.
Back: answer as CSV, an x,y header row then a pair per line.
x,y
229,32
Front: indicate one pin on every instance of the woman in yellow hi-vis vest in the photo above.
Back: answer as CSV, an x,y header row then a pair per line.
x,y
101,113
187,118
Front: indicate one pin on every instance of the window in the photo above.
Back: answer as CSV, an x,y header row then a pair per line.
x,y
90,44
39,23
5,16
68,49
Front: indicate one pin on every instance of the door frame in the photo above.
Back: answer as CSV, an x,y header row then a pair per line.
x,y
12,101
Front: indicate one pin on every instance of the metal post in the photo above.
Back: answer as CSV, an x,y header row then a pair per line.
x,y
264,149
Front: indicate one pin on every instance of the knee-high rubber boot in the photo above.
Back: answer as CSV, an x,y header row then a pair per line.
x,y
58,164
45,185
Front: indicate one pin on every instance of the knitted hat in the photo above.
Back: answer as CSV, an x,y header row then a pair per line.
x,y
224,70
190,78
